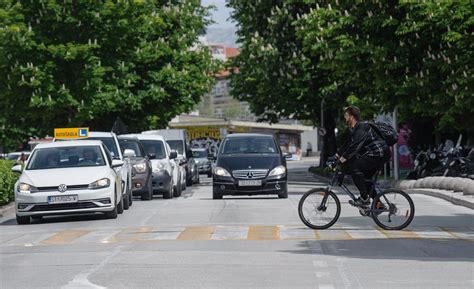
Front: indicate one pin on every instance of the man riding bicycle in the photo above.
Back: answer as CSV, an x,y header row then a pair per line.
x,y
362,155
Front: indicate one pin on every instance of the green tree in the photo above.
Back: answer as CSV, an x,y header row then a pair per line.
x,y
380,55
83,63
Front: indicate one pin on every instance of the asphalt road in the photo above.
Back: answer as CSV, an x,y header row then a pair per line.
x,y
239,242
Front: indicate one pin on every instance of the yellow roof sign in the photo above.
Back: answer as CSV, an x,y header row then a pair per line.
x,y
74,132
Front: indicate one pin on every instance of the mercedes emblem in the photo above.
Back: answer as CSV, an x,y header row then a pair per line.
x,y
62,188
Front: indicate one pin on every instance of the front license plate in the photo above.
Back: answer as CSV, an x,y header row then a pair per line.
x,y
250,183
62,199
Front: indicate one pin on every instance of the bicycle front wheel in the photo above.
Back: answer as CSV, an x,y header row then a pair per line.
x,y
319,209
393,210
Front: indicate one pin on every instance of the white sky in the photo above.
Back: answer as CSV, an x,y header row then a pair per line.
x,y
221,15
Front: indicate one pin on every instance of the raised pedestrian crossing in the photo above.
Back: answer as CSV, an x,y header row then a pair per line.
x,y
227,232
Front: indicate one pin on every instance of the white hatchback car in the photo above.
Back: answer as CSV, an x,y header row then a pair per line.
x,y
68,177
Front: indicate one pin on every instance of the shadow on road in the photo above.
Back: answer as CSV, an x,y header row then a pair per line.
x,y
426,250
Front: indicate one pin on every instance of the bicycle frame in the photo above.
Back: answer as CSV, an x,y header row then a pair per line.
x,y
338,180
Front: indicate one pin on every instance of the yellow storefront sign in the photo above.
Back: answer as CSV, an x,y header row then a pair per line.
x,y
73,132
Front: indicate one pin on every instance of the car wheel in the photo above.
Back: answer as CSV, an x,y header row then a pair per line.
x,y
169,193
22,220
284,193
37,217
112,214
189,181
130,198
120,207
216,195
125,201
177,191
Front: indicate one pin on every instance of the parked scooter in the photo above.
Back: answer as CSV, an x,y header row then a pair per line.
x,y
428,163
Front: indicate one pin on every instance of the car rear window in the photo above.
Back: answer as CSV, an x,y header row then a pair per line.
x,y
249,145
126,144
155,147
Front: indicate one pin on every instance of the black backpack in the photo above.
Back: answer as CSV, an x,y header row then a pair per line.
x,y
386,132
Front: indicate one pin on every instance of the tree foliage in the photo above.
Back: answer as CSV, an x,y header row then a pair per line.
x,y
378,54
83,63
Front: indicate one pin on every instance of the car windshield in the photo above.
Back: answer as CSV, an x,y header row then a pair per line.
x,y
66,157
126,144
249,145
176,145
200,154
155,147
109,143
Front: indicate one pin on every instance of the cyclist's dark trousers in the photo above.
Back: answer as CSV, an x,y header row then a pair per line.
x,y
362,169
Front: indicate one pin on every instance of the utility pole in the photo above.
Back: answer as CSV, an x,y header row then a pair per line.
x,y
320,132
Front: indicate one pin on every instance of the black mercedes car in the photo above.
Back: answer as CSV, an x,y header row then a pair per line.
x,y
249,164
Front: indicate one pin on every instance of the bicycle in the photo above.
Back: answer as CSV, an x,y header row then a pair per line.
x,y
391,209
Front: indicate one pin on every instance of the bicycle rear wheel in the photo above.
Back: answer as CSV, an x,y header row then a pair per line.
x,y
319,209
393,210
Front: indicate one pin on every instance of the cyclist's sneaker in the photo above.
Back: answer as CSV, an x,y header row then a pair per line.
x,y
360,202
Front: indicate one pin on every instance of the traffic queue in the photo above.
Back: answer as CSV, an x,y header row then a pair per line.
x,y
83,171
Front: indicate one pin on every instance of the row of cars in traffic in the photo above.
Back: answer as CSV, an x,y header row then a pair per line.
x,y
101,172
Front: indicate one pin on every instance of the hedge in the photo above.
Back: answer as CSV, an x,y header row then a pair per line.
x,y
7,181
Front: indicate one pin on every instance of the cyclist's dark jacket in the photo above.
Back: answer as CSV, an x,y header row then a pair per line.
x,y
363,142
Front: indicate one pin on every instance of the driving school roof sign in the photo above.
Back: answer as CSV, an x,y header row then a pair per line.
x,y
76,132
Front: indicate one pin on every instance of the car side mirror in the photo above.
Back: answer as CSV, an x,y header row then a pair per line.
x,y
151,156
189,153
17,169
288,155
173,155
211,157
117,163
128,153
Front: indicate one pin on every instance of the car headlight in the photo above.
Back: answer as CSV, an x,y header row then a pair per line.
x,y
26,188
99,184
159,167
140,168
221,172
278,171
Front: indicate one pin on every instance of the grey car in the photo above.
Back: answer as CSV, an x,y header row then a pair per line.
x,y
141,166
204,165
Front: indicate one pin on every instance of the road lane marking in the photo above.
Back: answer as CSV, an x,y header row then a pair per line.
x,y
64,237
434,233
406,234
297,233
264,233
230,233
197,233
164,234
466,234
29,239
130,235
366,234
334,234
101,236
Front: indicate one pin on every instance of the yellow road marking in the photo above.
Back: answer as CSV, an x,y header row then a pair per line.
x,y
317,235
467,236
264,233
64,237
130,235
334,234
197,233
405,234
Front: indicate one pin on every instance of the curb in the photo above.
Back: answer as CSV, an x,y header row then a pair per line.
x,y
5,208
445,195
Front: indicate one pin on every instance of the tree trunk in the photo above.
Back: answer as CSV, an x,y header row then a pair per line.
x,y
329,140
